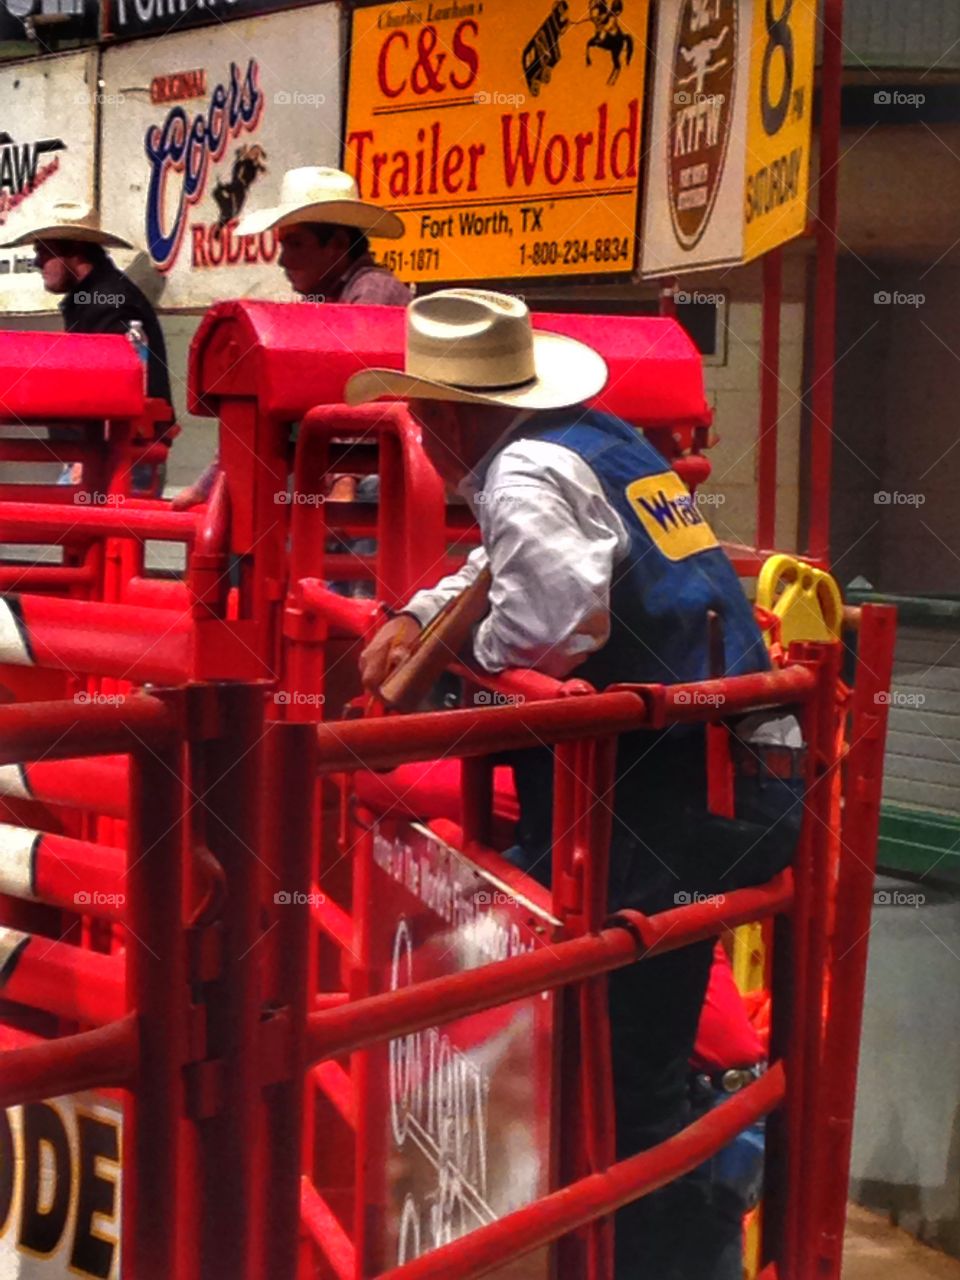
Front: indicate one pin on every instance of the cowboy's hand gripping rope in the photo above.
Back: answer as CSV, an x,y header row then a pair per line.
x,y
442,639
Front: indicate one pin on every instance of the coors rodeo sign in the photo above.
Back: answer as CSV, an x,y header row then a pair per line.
x,y
509,135
199,128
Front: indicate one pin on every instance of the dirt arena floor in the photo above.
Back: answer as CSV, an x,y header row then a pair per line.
x,y
873,1250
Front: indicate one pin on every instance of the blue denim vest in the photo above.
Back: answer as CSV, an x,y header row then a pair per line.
x,y
674,570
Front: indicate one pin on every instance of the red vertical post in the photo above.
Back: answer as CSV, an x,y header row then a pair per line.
x,y
833,1137
597,759
583,809
227,1095
825,321
792,978
289,835
823,747
155,1190
769,401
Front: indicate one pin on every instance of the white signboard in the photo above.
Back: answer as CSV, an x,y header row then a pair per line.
x,y
60,1189
199,128
729,163
695,170
47,132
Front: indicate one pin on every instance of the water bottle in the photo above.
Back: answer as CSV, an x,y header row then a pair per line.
x,y
138,340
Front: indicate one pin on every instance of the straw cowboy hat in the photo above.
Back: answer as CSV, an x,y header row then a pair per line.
x,y
70,221
317,194
480,348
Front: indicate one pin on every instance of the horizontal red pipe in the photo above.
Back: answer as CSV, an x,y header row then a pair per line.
x,y
44,577
68,981
384,743
356,617
730,695
103,1058
42,521
156,593
119,640
80,876
49,495
331,999
520,1232
516,685
61,871
59,730
99,785
76,450
366,1022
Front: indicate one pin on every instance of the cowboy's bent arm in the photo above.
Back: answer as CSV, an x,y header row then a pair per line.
x,y
552,563
426,604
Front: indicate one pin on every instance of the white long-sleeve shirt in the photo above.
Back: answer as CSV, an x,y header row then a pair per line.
x,y
552,541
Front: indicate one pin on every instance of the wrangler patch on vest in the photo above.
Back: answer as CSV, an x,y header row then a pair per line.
x,y
670,516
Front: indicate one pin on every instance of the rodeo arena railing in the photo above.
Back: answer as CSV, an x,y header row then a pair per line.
x,y
282,930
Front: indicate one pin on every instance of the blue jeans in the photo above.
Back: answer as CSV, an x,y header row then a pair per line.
x,y
665,843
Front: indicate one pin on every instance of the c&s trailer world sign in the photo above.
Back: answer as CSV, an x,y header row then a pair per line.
x,y
507,136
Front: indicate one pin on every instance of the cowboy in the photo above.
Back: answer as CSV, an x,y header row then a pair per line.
x,y
601,565
97,297
324,230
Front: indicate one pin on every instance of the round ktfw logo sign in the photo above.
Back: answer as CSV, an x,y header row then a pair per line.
x,y
701,110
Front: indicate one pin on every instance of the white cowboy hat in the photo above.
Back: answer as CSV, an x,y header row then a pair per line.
x,y
317,194
70,221
481,348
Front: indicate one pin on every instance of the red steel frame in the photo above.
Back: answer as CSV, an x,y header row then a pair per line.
x,y
226,1060
223,1071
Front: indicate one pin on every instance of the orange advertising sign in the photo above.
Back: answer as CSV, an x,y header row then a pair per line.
x,y
507,137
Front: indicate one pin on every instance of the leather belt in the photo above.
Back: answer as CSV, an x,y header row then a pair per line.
x,y
730,1081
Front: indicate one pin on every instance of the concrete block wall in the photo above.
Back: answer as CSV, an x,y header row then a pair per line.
x,y
898,427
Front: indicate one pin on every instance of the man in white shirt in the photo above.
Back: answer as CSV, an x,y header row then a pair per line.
x,y
601,567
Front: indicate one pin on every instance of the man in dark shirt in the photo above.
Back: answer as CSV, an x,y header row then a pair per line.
x,y
97,297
